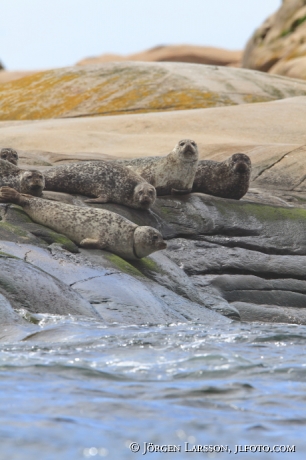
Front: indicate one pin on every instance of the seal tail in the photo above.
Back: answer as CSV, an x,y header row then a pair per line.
x,y
9,195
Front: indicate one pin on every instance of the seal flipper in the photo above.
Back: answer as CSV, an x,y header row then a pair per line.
x,y
99,199
10,195
90,243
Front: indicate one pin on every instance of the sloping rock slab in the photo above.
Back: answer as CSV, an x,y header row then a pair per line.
x,y
219,132
118,291
25,286
116,88
232,251
175,53
270,313
268,229
219,252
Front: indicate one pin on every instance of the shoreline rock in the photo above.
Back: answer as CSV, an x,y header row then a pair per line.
x,y
223,257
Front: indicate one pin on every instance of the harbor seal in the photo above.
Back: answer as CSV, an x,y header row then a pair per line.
x,y
226,179
171,174
9,155
89,228
104,180
23,180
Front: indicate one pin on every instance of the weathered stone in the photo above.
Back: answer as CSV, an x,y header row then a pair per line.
x,y
175,53
270,229
270,313
161,269
278,45
276,148
25,286
116,88
13,327
6,75
118,290
235,252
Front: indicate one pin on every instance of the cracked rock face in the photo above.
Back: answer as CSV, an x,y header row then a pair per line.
x,y
28,287
241,259
244,253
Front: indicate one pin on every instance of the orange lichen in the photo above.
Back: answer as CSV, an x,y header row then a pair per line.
x,y
251,98
112,90
47,95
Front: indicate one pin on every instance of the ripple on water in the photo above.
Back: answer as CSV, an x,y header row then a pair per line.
x,y
108,385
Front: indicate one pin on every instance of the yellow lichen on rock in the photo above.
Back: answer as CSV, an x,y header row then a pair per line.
x,y
131,87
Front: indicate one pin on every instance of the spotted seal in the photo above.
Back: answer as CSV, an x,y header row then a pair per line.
x,y
104,180
9,155
171,174
226,179
89,228
23,180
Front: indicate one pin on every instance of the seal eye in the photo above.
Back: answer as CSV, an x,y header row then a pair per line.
x,y
182,143
193,143
154,237
4,156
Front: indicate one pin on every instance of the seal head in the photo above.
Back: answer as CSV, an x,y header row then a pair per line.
x,y
144,195
226,179
146,241
9,155
239,163
32,182
187,150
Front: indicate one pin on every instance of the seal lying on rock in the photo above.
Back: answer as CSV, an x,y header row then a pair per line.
x,y
9,155
90,228
107,181
226,179
23,180
171,174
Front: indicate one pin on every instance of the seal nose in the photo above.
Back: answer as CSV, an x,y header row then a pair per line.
x,y
145,199
241,167
189,147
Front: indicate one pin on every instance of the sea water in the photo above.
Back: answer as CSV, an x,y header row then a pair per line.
x,y
80,390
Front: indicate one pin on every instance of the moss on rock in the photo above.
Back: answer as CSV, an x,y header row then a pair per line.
x,y
123,265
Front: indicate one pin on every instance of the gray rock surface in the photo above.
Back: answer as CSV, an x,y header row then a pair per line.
x,y
26,286
118,291
243,259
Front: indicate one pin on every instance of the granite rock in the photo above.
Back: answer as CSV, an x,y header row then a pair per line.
x,y
133,87
278,45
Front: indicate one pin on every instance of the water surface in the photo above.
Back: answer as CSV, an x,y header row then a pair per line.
x,y
81,390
